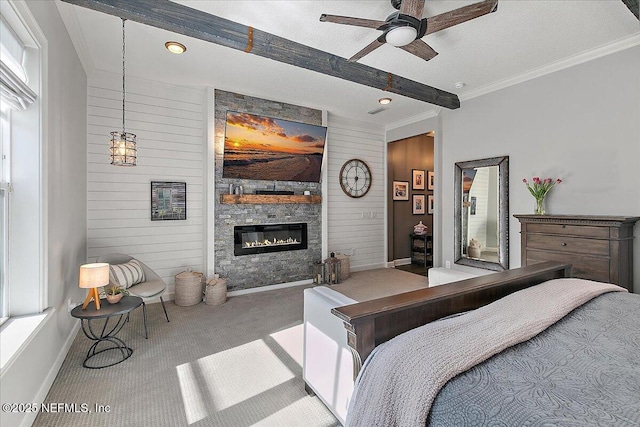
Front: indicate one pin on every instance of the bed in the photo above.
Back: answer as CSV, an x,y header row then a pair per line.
x,y
532,347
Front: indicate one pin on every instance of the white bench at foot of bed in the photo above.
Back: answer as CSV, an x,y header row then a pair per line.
x,y
327,361
441,275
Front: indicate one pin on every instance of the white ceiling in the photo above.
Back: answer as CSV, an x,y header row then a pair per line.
x,y
523,39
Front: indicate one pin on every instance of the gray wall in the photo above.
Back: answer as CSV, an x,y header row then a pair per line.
x,y
29,377
581,124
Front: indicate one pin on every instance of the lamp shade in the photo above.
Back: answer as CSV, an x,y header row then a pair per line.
x,y
94,275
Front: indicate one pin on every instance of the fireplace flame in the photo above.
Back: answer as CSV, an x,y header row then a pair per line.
x,y
274,242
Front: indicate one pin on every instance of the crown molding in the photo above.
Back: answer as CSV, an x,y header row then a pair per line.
x,y
413,119
70,18
580,58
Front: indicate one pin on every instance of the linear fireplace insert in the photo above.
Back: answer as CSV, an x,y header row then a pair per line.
x,y
258,239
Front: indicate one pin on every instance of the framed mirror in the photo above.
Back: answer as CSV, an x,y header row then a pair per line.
x,y
481,209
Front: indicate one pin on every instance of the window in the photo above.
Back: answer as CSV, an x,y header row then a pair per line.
x,y
4,212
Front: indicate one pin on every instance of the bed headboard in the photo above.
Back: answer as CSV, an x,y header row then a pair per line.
x,y
373,322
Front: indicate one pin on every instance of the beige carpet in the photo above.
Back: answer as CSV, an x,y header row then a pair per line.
x,y
372,284
238,364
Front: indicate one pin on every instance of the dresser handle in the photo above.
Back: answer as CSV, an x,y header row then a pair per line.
x,y
563,244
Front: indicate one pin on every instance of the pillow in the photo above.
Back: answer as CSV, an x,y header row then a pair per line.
x,y
127,274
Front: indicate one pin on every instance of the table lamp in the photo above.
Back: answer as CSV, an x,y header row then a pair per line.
x,y
92,276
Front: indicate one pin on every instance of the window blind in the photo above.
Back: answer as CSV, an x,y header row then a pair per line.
x,y
14,91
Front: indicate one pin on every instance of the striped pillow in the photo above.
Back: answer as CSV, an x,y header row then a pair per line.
x,y
127,274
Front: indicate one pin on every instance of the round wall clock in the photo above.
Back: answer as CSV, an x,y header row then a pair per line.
x,y
355,178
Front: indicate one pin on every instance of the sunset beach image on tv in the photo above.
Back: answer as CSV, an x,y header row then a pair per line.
x,y
267,148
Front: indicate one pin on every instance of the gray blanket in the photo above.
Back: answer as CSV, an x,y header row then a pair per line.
x,y
582,371
401,378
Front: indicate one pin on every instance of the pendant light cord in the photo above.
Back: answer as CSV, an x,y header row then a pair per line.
x,y
123,74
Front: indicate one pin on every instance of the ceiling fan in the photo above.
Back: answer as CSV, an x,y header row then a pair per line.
x,y
405,28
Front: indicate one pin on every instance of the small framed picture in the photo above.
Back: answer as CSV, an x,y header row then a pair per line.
x,y
400,190
430,204
430,180
418,179
168,201
472,208
418,204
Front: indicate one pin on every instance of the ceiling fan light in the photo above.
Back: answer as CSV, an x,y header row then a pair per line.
x,y
401,36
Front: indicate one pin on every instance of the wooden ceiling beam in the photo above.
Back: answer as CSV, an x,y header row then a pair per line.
x,y
191,22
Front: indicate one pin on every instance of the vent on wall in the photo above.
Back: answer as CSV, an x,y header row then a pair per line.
x,y
377,110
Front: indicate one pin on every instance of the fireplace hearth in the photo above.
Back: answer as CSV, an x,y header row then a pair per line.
x,y
259,239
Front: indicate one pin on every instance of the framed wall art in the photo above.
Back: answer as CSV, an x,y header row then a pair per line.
x,y
430,204
418,179
400,190
168,201
418,204
430,180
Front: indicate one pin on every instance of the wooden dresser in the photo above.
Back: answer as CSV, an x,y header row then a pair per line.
x,y
598,247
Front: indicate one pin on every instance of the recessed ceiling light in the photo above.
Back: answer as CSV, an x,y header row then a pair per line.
x,y
175,47
460,85
384,101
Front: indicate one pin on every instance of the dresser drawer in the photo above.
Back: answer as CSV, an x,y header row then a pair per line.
x,y
576,245
586,267
572,230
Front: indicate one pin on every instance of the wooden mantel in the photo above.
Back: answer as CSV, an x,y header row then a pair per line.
x,y
264,199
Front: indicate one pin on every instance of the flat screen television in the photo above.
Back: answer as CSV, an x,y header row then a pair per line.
x,y
267,148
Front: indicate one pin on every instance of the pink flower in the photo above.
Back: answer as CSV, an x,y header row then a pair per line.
x,y
539,188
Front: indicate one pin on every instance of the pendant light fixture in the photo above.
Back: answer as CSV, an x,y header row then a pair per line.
x,y
123,144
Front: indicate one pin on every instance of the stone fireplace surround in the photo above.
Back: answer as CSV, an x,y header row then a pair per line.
x,y
256,270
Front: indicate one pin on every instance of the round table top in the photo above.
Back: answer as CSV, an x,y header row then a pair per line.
x,y
126,304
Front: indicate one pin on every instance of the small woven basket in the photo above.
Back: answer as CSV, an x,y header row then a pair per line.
x,y
216,292
188,288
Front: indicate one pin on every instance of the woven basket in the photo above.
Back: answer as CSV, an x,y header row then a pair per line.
x,y
216,292
188,288
203,280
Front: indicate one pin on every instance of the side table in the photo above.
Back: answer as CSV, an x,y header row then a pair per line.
x,y
107,334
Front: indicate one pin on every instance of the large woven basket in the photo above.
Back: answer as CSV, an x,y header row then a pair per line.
x,y
188,288
216,292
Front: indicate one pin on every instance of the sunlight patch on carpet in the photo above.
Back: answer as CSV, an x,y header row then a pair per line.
x,y
195,407
290,415
290,340
222,380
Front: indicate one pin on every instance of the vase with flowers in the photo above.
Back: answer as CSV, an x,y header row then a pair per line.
x,y
539,189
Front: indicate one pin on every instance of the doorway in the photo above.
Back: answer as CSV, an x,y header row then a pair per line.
x,y
409,160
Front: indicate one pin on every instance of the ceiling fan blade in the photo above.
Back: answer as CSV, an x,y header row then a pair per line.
x,y
347,20
412,7
420,49
367,50
458,16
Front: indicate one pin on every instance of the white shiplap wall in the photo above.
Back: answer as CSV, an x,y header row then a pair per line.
x,y
170,124
356,226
